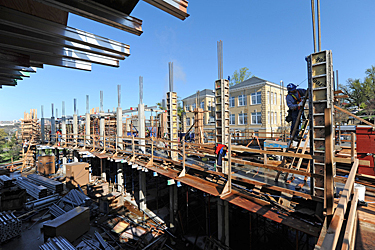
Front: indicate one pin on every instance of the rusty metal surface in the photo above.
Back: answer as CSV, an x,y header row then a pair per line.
x,y
267,212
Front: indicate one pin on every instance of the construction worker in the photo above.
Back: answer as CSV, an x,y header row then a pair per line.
x,y
294,100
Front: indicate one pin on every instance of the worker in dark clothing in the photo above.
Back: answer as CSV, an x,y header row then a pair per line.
x,y
294,100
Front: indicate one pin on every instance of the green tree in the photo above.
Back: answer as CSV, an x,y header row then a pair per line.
x,y
240,76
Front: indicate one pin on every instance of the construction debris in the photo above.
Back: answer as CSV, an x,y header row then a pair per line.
x,y
10,226
34,190
57,243
42,203
51,185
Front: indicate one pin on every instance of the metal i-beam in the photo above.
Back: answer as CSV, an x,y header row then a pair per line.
x,y
100,13
9,72
35,50
8,57
43,27
177,8
17,68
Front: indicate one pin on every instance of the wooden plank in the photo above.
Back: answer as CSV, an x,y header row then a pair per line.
x,y
352,147
349,161
328,168
333,232
293,171
288,154
350,225
352,115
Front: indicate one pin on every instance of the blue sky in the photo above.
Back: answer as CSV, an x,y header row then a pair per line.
x,y
271,38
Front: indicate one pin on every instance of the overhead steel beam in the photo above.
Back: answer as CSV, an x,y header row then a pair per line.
x,y
17,68
30,49
100,13
9,72
5,76
8,57
177,8
57,41
8,82
61,62
37,25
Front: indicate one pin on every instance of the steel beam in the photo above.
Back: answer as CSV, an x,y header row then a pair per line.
x,y
43,27
177,8
100,13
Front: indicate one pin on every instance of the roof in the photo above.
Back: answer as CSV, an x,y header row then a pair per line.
x,y
205,92
251,81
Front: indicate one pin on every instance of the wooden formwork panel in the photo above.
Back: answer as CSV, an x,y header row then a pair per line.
x,y
320,95
318,108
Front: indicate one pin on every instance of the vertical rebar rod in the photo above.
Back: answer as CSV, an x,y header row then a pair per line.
x,y
170,64
220,59
319,34
52,109
337,79
313,21
101,100
140,90
87,104
63,108
75,106
119,95
41,109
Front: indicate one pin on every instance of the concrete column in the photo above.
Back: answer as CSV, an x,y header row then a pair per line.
x,y
173,202
63,123
101,122
87,119
223,221
119,127
53,127
120,178
75,120
142,190
64,161
75,156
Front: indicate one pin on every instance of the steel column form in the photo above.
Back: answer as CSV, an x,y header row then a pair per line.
x,y
223,221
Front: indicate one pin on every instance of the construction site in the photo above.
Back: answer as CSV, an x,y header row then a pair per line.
x,y
151,177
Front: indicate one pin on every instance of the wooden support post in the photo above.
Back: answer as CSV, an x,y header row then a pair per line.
x,y
352,148
349,236
334,229
328,171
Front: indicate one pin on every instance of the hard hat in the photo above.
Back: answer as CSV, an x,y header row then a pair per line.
x,y
291,86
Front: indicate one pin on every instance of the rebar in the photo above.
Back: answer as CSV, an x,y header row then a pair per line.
x,y
34,190
10,226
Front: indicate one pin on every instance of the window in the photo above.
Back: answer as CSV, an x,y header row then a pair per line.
x,y
256,118
202,105
242,100
209,105
275,99
187,108
231,102
275,119
187,121
256,98
269,118
194,106
192,120
232,119
269,97
242,118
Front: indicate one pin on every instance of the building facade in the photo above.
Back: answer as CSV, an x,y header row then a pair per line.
x,y
205,100
254,105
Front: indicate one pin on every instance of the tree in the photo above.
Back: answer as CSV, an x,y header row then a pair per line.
x,y
240,76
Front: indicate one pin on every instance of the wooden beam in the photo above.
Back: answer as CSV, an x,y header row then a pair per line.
x,y
350,224
288,154
356,117
334,229
328,167
293,171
